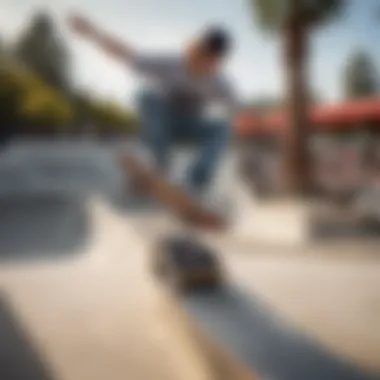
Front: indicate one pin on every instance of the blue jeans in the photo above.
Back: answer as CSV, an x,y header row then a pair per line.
x,y
163,126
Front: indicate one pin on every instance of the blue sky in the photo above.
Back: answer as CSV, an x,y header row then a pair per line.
x,y
255,67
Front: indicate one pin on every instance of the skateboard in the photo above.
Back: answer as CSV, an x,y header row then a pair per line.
x,y
182,261
191,212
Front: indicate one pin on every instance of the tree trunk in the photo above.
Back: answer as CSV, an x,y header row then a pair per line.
x,y
296,137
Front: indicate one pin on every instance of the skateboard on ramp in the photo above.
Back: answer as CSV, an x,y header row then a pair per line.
x,y
182,259
187,209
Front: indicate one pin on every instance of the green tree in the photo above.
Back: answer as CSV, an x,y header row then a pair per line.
x,y
111,118
10,100
2,47
42,49
293,20
82,105
266,104
360,77
26,100
4,54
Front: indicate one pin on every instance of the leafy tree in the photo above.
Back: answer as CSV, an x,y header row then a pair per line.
x,y
26,100
293,20
10,98
82,105
266,104
111,118
4,53
42,49
360,77
2,47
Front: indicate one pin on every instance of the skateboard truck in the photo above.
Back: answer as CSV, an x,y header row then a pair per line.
x,y
186,264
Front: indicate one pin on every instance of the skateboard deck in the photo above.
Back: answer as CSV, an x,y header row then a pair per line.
x,y
185,207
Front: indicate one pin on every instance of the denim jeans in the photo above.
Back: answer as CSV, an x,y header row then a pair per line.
x,y
163,126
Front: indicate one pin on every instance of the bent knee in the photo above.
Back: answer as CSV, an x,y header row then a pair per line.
x,y
218,128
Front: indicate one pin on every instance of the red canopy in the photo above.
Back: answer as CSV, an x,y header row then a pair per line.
x,y
354,112
330,116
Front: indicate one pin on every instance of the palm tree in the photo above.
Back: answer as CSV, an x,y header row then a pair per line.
x,y
294,20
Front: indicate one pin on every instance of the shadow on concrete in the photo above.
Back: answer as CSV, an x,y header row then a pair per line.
x,y
42,226
19,360
262,341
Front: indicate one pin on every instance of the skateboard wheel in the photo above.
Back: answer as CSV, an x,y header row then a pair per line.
x,y
185,264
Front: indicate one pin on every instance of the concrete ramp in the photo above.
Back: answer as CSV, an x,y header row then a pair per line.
x,y
96,316
287,316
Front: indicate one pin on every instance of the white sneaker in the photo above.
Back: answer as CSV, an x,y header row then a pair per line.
x,y
214,201
220,203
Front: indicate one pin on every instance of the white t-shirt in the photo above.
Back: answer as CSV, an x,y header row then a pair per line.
x,y
169,75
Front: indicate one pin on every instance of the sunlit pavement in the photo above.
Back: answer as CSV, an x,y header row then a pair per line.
x,y
80,298
334,300
306,311
98,314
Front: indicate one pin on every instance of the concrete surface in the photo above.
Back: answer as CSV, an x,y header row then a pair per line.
x,y
76,297
334,301
83,310
97,314
290,313
327,297
100,315
263,340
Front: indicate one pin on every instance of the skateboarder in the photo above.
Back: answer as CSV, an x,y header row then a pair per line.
x,y
186,97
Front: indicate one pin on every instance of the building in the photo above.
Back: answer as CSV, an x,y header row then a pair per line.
x,y
344,141
343,117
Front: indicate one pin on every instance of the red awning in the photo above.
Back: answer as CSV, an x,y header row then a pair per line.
x,y
360,111
323,116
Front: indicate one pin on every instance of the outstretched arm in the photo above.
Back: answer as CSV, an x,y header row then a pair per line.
x,y
110,45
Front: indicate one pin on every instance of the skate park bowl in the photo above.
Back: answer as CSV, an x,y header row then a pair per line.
x,y
100,313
